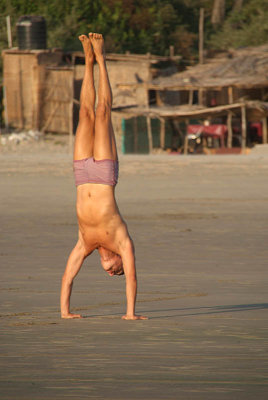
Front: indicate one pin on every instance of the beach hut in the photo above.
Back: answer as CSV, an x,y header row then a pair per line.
x,y
230,87
42,87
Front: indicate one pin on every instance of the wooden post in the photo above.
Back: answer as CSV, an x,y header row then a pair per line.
x,y
244,126
201,36
185,150
159,101
230,95
191,97
135,135
264,130
230,130
6,109
123,130
20,96
218,12
149,133
171,51
201,97
41,96
36,95
162,133
9,36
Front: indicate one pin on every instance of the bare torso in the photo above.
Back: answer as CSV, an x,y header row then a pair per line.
x,y
100,222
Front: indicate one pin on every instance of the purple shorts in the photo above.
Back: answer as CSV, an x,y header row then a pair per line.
x,y
89,170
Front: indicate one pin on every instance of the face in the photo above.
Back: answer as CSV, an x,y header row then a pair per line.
x,y
113,266
115,270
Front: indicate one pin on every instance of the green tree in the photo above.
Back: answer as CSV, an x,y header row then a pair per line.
x,y
128,25
142,26
248,26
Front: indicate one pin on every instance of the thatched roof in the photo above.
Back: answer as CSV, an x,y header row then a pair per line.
x,y
243,68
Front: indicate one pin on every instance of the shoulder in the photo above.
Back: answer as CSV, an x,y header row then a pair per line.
x,y
126,246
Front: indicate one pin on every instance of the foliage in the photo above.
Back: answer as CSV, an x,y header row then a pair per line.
x,y
138,26
141,26
247,27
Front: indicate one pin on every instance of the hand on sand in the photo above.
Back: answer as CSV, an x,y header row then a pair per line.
x,y
71,316
134,317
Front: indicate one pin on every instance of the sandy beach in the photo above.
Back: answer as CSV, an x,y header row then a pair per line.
x,y
199,224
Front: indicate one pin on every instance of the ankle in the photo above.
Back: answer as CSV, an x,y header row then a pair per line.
x,y
89,59
101,58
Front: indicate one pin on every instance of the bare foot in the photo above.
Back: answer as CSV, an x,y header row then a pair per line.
x,y
71,316
86,43
97,42
134,317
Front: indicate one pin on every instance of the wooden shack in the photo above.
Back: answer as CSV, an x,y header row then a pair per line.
x,y
38,90
227,88
42,87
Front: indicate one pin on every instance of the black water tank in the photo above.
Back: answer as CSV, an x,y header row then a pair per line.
x,y
31,32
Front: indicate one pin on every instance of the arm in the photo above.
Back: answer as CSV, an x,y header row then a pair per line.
x,y
73,266
128,258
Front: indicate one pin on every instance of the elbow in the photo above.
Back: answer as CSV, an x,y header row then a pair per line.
x,y
131,277
129,247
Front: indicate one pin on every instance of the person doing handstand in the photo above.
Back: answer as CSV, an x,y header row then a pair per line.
x,y
100,224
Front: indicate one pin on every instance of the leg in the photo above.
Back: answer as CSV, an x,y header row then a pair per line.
x,y
73,266
104,143
84,138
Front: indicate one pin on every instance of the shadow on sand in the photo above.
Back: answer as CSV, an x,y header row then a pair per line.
x,y
190,311
185,312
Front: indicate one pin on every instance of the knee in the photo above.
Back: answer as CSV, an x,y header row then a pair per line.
x,y
86,113
103,111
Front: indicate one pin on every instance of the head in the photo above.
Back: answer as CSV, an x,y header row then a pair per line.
x,y
115,270
112,264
